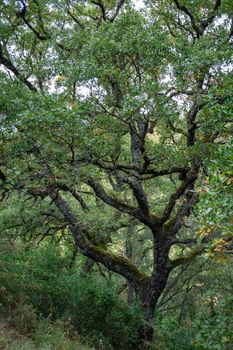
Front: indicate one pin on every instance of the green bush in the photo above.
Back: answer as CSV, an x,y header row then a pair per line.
x,y
214,330
40,278
93,307
170,335
53,336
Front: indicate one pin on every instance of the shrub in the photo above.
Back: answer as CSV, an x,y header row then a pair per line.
x,y
170,335
41,279
214,331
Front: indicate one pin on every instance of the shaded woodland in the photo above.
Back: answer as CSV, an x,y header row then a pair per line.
x,y
116,174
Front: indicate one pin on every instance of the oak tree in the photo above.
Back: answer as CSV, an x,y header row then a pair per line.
x,y
112,117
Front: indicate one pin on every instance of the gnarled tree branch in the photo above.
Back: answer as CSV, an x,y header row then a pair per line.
x,y
113,262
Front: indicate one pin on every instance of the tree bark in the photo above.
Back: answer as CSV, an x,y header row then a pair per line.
x,y
150,294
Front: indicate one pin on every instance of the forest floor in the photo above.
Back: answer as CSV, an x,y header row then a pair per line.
x,y
12,339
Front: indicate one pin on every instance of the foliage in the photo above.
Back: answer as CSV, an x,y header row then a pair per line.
x,y
198,316
215,331
116,139
171,335
38,282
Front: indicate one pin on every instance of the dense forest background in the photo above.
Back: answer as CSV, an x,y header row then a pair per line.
x,y
116,174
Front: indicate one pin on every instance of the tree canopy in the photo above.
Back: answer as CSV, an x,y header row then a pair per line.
x,y
116,129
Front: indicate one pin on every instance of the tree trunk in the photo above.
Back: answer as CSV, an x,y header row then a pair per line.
x,y
150,294
146,330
